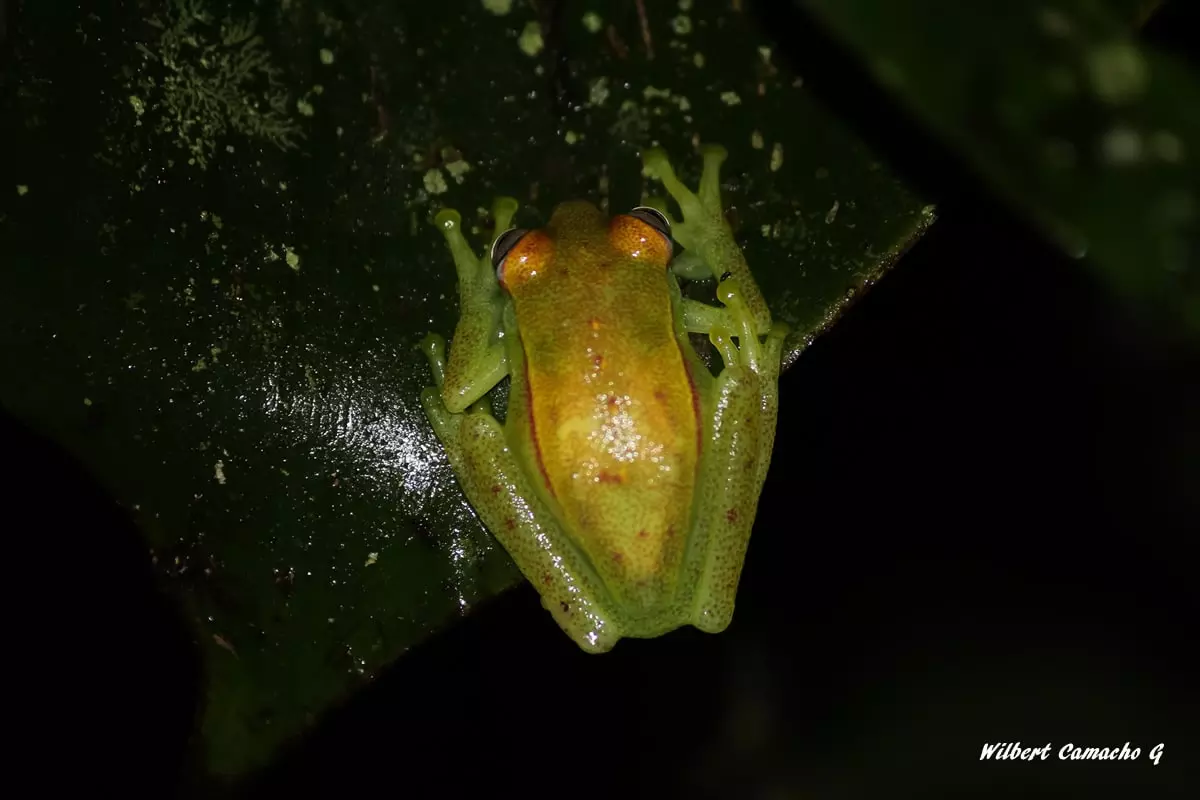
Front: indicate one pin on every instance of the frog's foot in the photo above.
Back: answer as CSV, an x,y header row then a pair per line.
x,y
444,422
702,212
704,231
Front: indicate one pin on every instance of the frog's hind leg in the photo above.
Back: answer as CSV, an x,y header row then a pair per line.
x,y
737,454
763,359
743,404
506,503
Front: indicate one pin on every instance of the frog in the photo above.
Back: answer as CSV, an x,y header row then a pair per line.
x,y
624,479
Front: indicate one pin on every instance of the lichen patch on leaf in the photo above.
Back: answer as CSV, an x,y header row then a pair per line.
x,y
204,78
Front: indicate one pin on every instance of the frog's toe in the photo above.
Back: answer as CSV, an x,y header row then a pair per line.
x,y
710,177
714,617
593,632
447,219
445,424
434,348
655,161
504,208
714,155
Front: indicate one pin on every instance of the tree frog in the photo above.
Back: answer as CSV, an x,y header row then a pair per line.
x,y
625,478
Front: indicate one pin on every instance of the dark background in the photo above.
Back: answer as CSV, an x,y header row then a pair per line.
x,y
975,529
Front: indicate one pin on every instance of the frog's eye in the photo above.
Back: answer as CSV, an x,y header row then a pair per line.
x,y
654,218
517,255
644,234
504,243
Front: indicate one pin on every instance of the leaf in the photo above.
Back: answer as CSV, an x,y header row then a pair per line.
x,y
1088,132
218,315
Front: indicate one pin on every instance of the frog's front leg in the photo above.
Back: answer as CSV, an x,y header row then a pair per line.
x,y
477,360
742,401
705,234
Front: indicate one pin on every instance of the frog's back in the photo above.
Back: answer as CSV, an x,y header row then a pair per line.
x,y
614,415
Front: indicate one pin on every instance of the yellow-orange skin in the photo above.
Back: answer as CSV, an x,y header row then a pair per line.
x,y
612,407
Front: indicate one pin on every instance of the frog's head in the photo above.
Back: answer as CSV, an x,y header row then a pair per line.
x,y
580,234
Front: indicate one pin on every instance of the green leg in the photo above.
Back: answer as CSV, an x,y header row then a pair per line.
x,y
477,360
728,498
745,410
506,503
744,401
705,232
499,492
701,317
